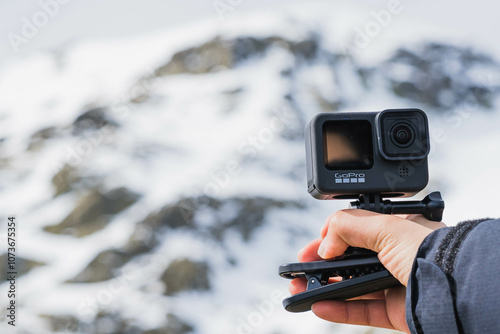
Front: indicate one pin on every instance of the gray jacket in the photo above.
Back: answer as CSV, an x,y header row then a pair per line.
x,y
454,286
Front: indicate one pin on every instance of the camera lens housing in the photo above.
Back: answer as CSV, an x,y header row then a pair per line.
x,y
403,135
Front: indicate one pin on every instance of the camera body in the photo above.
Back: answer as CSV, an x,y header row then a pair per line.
x,y
353,153
364,156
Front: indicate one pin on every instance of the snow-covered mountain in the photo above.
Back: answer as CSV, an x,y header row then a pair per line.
x,y
159,181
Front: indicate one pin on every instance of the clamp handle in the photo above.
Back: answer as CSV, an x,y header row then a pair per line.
x,y
431,207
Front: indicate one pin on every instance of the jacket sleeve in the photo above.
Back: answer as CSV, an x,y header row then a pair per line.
x,y
454,286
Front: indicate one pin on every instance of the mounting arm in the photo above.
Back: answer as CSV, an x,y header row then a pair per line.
x,y
431,207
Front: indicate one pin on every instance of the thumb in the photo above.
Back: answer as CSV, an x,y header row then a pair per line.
x,y
394,238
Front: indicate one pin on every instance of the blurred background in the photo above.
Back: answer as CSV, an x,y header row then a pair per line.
x,y
152,151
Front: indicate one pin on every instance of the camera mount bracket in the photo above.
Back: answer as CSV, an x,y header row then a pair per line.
x,y
358,271
431,207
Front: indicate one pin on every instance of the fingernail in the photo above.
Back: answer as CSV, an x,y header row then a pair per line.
x,y
323,248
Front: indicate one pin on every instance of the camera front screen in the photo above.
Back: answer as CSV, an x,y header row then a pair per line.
x,y
348,144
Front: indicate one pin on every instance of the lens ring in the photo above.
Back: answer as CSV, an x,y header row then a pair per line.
x,y
402,134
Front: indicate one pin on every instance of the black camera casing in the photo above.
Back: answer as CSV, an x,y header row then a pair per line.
x,y
381,152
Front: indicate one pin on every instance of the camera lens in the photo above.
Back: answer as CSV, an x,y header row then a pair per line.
x,y
402,135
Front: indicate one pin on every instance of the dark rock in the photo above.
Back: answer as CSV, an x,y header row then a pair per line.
x,y
209,57
240,213
219,54
175,215
177,326
172,216
185,275
94,212
45,133
22,266
112,323
102,267
243,48
247,47
366,75
179,214
65,180
4,162
443,76
104,323
91,120
38,138
140,98
70,178
306,49
174,325
286,73
143,239
63,323
243,215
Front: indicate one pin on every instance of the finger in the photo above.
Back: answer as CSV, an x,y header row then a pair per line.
x,y
376,313
373,295
358,312
310,252
394,238
419,219
396,308
334,279
297,285
324,229
361,228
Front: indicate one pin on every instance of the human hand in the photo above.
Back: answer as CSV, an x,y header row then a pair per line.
x,y
396,239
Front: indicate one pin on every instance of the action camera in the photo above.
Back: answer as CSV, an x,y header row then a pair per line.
x,y
366,156
355,153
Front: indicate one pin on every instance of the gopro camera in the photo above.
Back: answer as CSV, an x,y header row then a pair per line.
x,y
355,153
366,156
